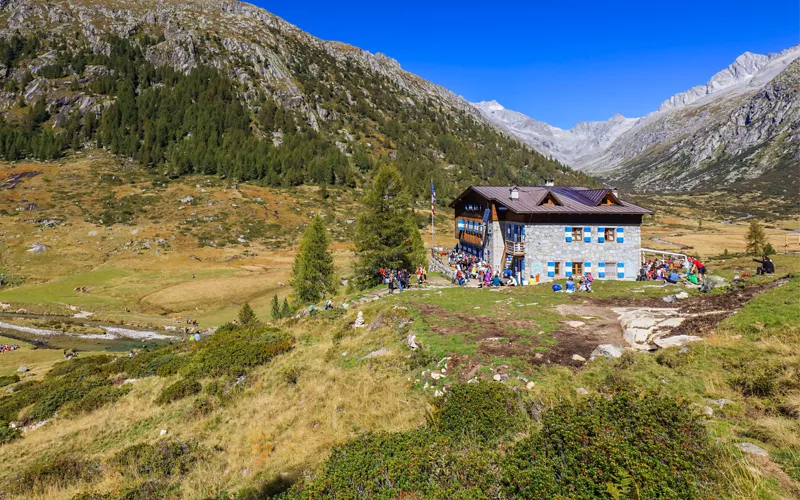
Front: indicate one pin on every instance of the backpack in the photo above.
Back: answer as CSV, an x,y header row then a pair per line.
x,y
556,287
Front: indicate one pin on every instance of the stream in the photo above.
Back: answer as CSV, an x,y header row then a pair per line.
x,y
115,338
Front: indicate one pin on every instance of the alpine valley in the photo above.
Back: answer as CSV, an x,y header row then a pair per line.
x,y
738,129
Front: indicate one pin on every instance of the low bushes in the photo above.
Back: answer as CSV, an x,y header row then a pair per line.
x,y
652,445
484,412
179,390
96,398
7,434
60,470
8,380
161,460
416,464
620,446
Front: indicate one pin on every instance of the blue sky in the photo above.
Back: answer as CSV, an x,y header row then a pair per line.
x,y
560,62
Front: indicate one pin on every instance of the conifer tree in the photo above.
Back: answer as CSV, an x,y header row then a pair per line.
x,y
246,315
276,308
313,271
286,310
387,236
756,239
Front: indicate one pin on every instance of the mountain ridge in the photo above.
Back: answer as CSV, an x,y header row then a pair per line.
x,y
684,131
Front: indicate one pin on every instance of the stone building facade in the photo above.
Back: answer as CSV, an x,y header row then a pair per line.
x,y
543,233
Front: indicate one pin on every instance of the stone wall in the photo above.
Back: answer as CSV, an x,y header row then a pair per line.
x,y
437,266
546,243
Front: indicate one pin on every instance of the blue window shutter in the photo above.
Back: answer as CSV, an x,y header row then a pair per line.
x,y
461,225
568,269
620,269
601,269
587,267
551,269
601,235
620,235
587,235
568,234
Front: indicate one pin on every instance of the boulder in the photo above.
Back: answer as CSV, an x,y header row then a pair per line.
x,y
607,351
676,341
752,449
23,369
530,385
578,357
380,352
581,391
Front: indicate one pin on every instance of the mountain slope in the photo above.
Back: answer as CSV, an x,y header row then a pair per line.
x,y
223,87
740,125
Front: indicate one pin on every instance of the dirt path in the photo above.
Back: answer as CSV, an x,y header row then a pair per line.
x,y
600,326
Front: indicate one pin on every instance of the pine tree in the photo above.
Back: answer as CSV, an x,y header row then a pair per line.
x,y
387,236
286,311
756,239
246,315
276,308
313,271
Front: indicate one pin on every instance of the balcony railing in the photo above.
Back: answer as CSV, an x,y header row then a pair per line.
x,y
515,248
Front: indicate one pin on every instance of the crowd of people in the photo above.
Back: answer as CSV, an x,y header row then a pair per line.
x,y
399,279
673,270
467,268
8,347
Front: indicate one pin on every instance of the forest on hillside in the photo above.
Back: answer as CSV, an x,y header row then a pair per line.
x,y
202,122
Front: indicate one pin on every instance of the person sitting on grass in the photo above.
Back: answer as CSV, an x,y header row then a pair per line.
x,y
570,285
766,267
496,280
673,278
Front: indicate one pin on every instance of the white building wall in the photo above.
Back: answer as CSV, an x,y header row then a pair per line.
x,y
547,243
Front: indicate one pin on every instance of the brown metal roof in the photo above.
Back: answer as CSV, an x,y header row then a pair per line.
x,y
573,199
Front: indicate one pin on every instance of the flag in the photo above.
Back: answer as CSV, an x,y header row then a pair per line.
x,y
433,199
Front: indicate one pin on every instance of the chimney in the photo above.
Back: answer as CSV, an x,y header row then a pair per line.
x,y
513,193
549,182
614,192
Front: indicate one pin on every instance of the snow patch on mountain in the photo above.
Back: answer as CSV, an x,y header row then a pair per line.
x,y
567,146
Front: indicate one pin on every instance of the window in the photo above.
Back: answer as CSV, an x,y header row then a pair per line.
x,y
577,234
577,269
558,268
608,235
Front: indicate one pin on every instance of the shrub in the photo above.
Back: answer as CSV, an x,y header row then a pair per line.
x,y
420,359
233,351
483,412
162,460
60,470
672,357
291,374
652,443
79,367
7,434
416,464
98,397
179,390
8,380
757,377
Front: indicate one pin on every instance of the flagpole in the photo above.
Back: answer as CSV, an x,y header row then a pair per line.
x,y
433,220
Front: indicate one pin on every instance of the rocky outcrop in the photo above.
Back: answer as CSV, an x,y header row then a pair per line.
x,y
741,124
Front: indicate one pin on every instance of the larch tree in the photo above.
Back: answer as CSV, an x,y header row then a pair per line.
x,y
386,236
313,272
756,239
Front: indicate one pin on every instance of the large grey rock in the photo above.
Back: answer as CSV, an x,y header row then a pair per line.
x,y
752,449
380,352
23,369
676,341
607,351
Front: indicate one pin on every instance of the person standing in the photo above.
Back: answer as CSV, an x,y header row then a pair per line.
x,y
699,268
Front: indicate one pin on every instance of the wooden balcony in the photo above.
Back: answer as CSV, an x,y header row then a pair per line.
x,y
517,249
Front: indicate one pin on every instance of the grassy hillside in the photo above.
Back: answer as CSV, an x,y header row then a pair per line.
x,y
338,385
